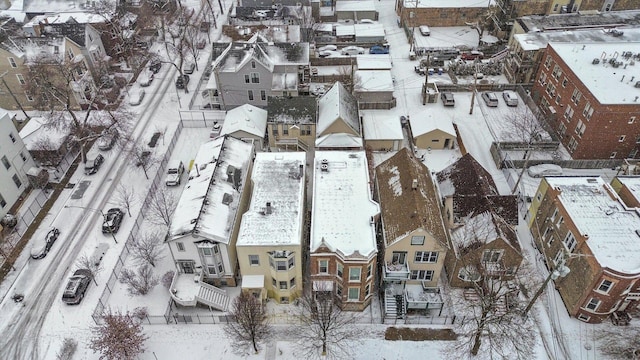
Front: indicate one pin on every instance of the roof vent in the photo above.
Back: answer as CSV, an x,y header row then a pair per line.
x,y
325,161
324,167
595,61
609,211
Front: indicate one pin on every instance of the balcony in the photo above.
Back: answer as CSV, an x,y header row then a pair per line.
x,y
396,271
291,142
423,297
189,290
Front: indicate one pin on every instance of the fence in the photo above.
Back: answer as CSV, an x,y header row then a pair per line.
x,y
434,320
156,182
198,119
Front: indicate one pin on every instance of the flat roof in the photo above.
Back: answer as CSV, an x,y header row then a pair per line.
x,y
348,5
608,83
343,206
632,183
374,62
539,40
373,81
380,125
275,216
576,20
597,212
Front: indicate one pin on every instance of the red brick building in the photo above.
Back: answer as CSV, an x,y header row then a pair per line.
x,y
590,94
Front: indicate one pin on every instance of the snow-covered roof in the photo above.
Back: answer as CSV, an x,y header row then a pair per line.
x,y
609,84
338,104
539,40
447,4
292,110
369,30
340,140
246,118
373,81
379,125
345,30
426,121
537,23
36,132
348,5
209,200
633,185
343,207
269,54
598,213
275,216
374,62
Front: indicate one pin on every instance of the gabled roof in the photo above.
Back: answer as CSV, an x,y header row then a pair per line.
x,y
505,206
71,30
246,118
466,177
426,121
292,110
38,134
209,201
481,229
379,125
345,141
408,199
269,55
338,104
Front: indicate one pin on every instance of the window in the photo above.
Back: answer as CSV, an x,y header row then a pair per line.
x,y
211,269
613,155
339,290
6,163
568,113
588,111
12,137
369,271
621,138
491,256
555,7
632,120
573,144
398,258
272,263
253,64
281,265
285,130
593,304
274,130
16,181
28,96
417,240
292,283
323,266
180,246
580,128
605,286
354,273
250,94
12,62
548,61
575,97
354,294
570,242
21,79
283,285
2,202
539,196
558,99
291,262
426,256
556,72
255,78
559,258
565,82
254,260
246,78
263,95
305,130
22,156
339,269
583,317
543,79
367,290
426,275
207,252
553,216
70,54
274,282
562,129
284,300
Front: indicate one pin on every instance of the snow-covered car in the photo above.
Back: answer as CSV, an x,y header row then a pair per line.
x,y
215,130
136,97
174,173
76,287
182,81
9,220
41,248
424,30
93,165
542,170
107,140
145,78
352,50
325,53
189,68
510,98
328,48
112,221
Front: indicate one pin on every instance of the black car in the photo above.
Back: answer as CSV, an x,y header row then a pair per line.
x,y
93,165
155,66
112,220
182,81
76,287
42,248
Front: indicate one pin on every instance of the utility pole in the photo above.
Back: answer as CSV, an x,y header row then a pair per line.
x,y
426,80
560,271
475,84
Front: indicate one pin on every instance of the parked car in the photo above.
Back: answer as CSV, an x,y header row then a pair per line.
x,y
174,173
510,98
490,99
108,139
352,50
112,221
542,170
328,48
76,287
379,49
145,78
9,220
201,44
215,130
189,68
325,53
93,165
472,55
136,97
155,66
182,81
424,30
366,21
41,248
447,99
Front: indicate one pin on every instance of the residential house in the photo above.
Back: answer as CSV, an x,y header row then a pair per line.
x,y
271,235
582,224
430,131
291,122
205,225
373,89
343,251
248,73
414,240
338,120
382,132
16,163
573,88
247,123
483,241
46,144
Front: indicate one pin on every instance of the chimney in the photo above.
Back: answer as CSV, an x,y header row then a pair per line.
x,y
268,209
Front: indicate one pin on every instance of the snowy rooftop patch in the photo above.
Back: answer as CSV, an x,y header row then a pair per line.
x,y
284,81
539,40
337,104
209,201
599,214
275,216
340,140
342,203
446,4
427,121
373,80
367,30
632,183
347,5
292,110
610,81
246,118
374,62
380,125
479,228
36,133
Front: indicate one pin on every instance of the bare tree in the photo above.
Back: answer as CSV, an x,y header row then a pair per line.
x,y
160,207
524,126
119,336
140,282
94,267
250,325
142,157
324,330
148,248
125,197
619,342
178,33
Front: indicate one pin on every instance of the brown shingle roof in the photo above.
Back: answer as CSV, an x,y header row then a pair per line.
x,y
466,177
505,206
402,208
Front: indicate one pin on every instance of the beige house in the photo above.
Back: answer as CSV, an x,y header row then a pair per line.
x,y
271,235
339,125
413,235
291,122
429,131
382,131
247,123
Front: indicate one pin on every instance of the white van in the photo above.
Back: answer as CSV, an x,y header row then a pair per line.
x,y
510,98
490,99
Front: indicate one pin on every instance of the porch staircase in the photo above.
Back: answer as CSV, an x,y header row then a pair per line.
x,y
393,306
212,296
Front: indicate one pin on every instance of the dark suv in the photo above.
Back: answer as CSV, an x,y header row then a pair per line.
x,y
112,221
93,165
76,287
182,81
